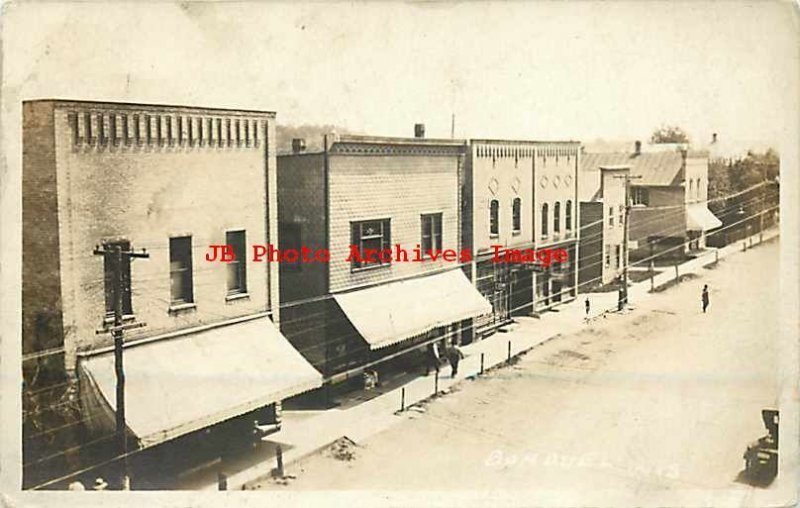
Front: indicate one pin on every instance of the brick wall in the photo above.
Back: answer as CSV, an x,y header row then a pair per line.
x,y
501,171
117,180
41,281
590,264
397,187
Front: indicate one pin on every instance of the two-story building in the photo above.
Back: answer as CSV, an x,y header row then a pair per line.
x,y
602,219
669,194
521,195
201,344
399,194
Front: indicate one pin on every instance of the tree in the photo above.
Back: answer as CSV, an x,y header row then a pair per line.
x,y
669,134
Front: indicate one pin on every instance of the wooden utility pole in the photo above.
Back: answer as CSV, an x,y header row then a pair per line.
x,y
116,257
625,236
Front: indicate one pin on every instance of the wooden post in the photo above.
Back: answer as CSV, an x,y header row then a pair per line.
x,y
279,459
481,363
403,399
509,351
222,481
676,272
652,276
436,383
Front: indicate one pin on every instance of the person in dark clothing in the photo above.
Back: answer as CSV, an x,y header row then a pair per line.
x,y
433,358
705,298
588,306
454,355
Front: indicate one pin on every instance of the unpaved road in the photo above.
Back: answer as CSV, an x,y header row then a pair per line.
x,y
662,398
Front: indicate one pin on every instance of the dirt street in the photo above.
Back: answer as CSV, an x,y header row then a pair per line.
x,y
663,397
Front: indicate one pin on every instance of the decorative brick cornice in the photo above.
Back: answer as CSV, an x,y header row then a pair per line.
x,y
524,149
102,128
405,149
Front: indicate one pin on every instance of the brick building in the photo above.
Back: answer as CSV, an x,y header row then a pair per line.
x,y
602,220
373,192
669,214
170,181
521,195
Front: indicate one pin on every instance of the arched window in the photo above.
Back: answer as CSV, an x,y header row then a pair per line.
x,y
494,217
545,218
568,215
557,217
516,215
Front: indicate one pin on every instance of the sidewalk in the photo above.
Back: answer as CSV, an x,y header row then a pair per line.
x,y
305,432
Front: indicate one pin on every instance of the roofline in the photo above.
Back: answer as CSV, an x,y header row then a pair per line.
x,y
370,140
527,141
83,102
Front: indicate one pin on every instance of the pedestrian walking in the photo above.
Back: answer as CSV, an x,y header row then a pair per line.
x,y
588,305
705,298
454,355
433,360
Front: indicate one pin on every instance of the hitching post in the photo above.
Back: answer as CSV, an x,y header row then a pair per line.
x,y
481,363
509,351
279,458
403,399
436,383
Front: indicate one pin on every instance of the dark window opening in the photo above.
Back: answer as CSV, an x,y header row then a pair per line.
x,y
237,269
180,270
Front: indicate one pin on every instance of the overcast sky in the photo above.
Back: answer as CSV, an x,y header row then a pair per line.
x,y
522,70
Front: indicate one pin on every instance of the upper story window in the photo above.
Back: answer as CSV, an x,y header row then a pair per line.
x,y
640,196
370,237
610,215
180,270
545,219
568,215
557,217
237,269
109,266
516,215
431,233
494,218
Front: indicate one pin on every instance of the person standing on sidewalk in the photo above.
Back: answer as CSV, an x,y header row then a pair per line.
x,y
454,355
705,298
588,306
433,358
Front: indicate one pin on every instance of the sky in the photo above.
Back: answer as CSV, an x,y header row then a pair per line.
x,y
520,70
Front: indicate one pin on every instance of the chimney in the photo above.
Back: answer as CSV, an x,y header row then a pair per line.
x,y
714,138
637,148
298,145
419,130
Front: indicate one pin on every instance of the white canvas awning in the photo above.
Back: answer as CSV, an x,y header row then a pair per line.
x,y
390,313
700,218
179,385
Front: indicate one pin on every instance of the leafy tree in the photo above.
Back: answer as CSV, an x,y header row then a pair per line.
x,y
669,134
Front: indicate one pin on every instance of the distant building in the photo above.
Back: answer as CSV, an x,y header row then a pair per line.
x,y
602,251
669,215
521,195
170,181
373,193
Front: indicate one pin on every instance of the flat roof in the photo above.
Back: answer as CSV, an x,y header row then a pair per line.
x,y
175,107
526,141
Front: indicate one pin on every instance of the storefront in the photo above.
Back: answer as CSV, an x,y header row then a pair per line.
x,y
178,385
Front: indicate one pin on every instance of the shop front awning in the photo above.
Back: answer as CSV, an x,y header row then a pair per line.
x,y
390,313
178,385
700,218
